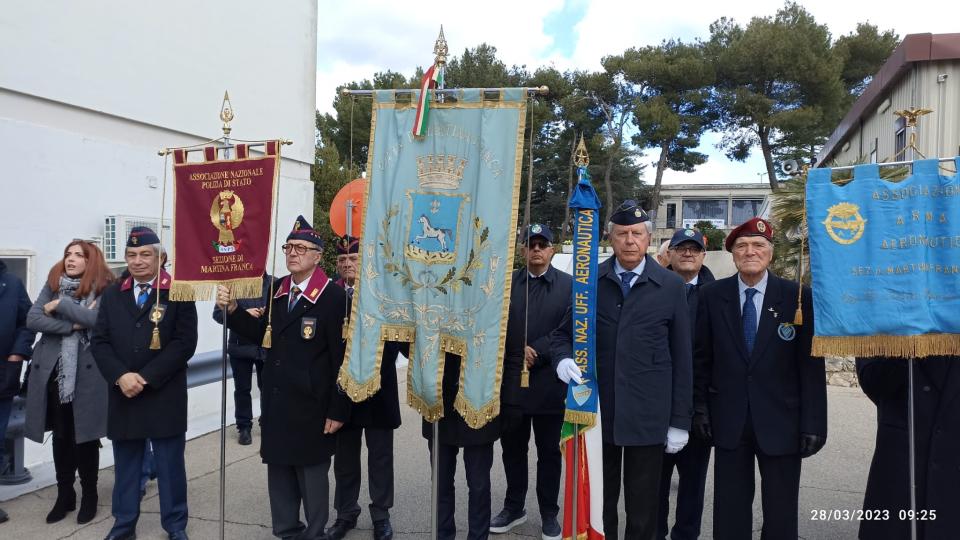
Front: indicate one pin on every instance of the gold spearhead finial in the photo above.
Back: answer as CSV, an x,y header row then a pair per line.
x,y
581,157
226,113
440,48
911,115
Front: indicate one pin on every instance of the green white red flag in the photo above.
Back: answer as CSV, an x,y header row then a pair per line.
x,y
433,78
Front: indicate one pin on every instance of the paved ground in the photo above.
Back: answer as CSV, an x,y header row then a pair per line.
x,y
834,479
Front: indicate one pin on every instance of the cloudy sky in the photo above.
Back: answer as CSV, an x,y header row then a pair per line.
x,y
357,38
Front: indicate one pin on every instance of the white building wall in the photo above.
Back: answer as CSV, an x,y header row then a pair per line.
x,y
90,91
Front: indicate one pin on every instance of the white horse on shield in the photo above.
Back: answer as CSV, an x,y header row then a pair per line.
x,y
429,231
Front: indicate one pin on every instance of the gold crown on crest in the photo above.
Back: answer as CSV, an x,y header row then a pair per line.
x,y
226,194
443,172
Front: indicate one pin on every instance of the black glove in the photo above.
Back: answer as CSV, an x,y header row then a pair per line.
x,y
701,427
810,444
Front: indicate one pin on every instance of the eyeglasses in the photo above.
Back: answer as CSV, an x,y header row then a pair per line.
x,y
539,244
296,248
687,250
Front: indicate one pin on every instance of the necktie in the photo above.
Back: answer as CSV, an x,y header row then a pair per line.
x,y
625,279
294,296
749,319
349,292
143,294
690,288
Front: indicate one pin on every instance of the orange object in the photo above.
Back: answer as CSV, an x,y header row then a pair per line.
x,y
353,191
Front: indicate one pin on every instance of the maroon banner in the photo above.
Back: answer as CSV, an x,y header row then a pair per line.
x,y
222,220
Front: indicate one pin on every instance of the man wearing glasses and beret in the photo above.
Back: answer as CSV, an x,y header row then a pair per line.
x,y
644,371
301,405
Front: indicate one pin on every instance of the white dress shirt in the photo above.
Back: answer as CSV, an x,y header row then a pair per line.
x,y
637,270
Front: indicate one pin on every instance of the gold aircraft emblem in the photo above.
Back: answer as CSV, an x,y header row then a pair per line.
x,y
844,223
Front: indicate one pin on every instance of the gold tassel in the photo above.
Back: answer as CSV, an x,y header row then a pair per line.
x,y
268,338
525,378
155,339
345,331
798,317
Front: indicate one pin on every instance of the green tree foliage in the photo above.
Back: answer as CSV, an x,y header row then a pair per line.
x,y
713,235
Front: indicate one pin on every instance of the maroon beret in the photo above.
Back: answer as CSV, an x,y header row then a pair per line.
x,y
754,227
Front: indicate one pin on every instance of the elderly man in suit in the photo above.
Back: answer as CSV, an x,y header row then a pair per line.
x,y
301,405
644,370
758,394
539,297
148,395
375,419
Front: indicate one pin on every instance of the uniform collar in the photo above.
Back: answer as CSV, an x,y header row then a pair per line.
x,y
315,286
164,279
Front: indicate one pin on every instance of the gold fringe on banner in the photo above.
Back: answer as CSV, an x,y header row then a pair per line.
x,y
475,418
360,391
198,291
583,418
918,346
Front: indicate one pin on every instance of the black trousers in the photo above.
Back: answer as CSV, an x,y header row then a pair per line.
x,y
242,385
290,487
515,441
346,471
477,462
638,468
691,463
734,487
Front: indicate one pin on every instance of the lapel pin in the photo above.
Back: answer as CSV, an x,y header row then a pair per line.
x,y
775,314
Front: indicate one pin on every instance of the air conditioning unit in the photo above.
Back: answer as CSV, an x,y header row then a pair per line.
x,y
116,229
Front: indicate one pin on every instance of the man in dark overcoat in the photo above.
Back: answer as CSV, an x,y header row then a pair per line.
x,y
374,419
936,405
148,387
644,370
301,406
246,358
759,395
539,297
686,252
477,446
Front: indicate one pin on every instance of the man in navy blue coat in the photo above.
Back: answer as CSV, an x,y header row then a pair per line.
x,y
644,371
758,393
148,388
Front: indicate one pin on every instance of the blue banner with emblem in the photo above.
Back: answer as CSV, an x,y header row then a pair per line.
x,y
885,262
437,246
583,399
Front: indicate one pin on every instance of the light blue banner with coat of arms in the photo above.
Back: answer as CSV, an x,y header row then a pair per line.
x,y
885,261
437,247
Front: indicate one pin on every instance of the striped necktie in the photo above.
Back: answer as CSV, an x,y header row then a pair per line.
x,y
144,294
294,296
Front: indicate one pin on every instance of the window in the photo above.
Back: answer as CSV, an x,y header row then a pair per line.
x,y
713,210
18,264
672,216
744,210
900,138
873,153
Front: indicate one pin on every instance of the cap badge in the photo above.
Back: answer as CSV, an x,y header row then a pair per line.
x,y
761,227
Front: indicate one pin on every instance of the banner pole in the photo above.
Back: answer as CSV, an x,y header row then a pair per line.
x,y
913,456
226,115
574,523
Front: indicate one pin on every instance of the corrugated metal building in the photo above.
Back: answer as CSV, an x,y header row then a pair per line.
x,y
922,72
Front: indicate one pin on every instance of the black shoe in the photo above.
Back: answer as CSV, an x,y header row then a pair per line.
x,y
66,502
179,535
382,530
88,506
127,536
3,516
506,520
339,529
550,530
244,437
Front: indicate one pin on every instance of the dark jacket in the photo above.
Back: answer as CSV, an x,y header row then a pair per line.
x,y
453,430
237,346
299,379
121,344
15,338
781,384
703,277
89,404
381,410
936,385
644,366
549,297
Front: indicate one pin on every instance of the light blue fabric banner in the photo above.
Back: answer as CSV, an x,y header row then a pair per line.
x,y
437,247
885,262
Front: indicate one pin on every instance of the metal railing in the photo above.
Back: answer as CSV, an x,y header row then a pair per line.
x,y
202,369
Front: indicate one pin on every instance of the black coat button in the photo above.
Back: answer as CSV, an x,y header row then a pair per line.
x,y
139,325
926,388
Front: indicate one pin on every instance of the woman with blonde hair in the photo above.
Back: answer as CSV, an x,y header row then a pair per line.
x,y
66,393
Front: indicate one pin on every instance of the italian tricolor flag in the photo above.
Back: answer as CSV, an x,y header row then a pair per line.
x,y
589,481
431,79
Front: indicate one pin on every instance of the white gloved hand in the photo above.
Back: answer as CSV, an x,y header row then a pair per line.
x,y
676,440
567,370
